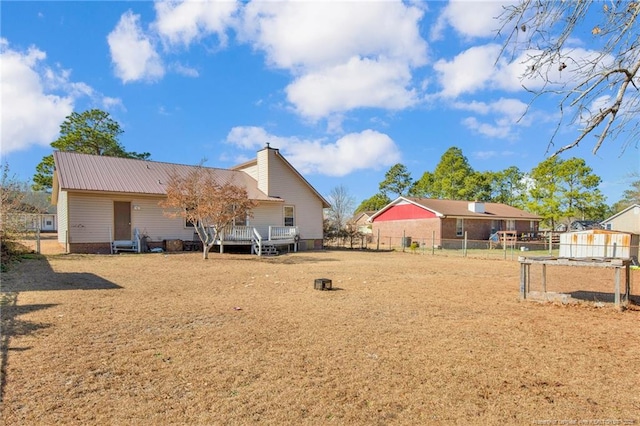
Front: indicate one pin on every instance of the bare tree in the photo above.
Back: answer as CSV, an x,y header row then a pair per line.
x,y
12,193
598,89
209,205
341,210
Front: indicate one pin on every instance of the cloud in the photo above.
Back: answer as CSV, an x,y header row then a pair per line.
x,y
132,52
315,35
500,118
355,84
342,55
36,98
355,151
470,19
185,22
469,72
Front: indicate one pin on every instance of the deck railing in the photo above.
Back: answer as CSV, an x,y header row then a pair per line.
x,y
238,233
283,232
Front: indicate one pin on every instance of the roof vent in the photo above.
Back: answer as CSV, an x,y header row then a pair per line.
x,y
476,207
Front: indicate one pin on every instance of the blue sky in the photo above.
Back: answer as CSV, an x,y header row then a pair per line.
x,y
343,89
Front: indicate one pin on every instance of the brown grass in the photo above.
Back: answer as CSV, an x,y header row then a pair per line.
x,y
403,339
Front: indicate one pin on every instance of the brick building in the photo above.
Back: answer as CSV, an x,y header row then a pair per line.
x,y
447,221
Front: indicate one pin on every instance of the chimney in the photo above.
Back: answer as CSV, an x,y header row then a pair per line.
x,y
476,207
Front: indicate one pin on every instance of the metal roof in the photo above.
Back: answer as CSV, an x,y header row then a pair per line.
x,y
84,172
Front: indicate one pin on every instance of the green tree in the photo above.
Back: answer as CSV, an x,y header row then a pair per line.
x,y
450,177
508,187
396,181
423,187
581,198
630,197
374,203
544,195
598,92
565,189
90,132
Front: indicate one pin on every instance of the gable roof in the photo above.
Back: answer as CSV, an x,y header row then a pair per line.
x,y
460,208
620,213
250,163
97,173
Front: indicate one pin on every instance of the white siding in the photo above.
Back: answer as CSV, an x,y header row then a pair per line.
x,y
63,217
628,221
286,184
265,215
91,219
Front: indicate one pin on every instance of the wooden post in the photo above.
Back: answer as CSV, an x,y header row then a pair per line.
x,y
404,239
433,242
627,282
617,295
550,242
38,240
523,280
378,240
464,245
544,278
504,244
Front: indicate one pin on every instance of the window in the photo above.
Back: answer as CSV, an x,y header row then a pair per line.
x,y
289,216
240,221
532,225
511,225
459,227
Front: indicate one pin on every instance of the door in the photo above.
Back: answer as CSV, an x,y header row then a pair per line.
x,y
122,220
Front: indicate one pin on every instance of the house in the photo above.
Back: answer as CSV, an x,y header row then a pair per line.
x,y
361,220
446,221
105,199
628,220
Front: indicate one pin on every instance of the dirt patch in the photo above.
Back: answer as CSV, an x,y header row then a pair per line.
x,y
403,339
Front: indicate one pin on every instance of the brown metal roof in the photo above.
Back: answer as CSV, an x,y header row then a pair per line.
x,y
460,208
84,172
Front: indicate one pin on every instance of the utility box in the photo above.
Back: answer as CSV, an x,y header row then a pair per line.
x,y
322,284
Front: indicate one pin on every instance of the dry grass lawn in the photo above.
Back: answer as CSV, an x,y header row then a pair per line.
x,y
402,339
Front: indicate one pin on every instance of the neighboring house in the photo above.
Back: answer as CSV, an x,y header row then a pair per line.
x,y
101,199
628,220
362,221
447,220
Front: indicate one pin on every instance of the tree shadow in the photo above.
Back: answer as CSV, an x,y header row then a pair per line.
x,y
34,274
12,327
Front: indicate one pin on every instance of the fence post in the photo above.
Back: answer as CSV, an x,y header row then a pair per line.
x,y
433,242
504,245
464,247
550,242
404,239
38,241
378,241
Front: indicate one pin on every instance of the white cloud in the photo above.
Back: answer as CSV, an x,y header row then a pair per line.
x,y
185,22
468,72
343,55
355,151
132,52
313,35
501,117
185,70
355,84
479,18
35,98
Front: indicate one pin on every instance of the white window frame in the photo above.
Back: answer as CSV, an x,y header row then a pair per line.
x,y
511,225
292,217
459,227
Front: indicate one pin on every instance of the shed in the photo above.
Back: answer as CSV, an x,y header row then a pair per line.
x,y
598,243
